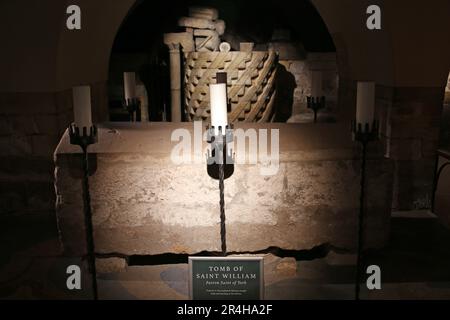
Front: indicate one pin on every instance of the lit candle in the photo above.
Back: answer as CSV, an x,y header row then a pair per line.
x,y
365,104
129,84
218,101
82,107
316,84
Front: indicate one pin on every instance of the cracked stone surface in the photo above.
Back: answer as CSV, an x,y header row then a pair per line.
x,y
32,266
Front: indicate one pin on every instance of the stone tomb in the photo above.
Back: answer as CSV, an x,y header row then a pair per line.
x,y
145,204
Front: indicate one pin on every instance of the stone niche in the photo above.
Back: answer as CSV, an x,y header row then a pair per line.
x,y
145,204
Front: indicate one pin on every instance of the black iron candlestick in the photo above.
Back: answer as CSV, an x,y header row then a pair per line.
x,y
438,171
220,165
84,140
315,104
363,135
133,106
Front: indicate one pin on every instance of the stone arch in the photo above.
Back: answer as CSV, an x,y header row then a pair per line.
x,y
285,8
355,51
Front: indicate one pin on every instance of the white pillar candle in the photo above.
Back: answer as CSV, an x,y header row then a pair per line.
x,y
129,84
218,101
82,107
365,103
316,84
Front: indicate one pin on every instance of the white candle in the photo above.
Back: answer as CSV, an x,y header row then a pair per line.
x,y
218,101
365,104
82,107
129,84
316,84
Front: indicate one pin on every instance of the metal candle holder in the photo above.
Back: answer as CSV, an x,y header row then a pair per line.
x,y
84,140
438,169
133,106
363,135
220,165
315,104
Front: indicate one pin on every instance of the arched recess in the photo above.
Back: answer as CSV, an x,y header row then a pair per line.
x,y
71,57
359,55
138,47
83,55
243,19
409,67
362,54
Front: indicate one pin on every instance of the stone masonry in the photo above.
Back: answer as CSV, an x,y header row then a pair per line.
x,y
412,131
31,125
145,204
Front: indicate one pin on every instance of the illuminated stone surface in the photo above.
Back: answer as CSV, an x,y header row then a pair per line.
x,y
110,265
144,204
196,23
204,13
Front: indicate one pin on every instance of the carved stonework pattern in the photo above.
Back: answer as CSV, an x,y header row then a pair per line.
x,y
250,79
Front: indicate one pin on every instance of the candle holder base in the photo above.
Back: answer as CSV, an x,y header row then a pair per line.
x,y
315,104
366,133
86,137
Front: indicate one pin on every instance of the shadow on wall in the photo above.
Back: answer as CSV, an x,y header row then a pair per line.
x,y
285,85
156,78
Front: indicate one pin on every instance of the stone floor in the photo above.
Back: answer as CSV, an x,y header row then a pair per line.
x,y
415,265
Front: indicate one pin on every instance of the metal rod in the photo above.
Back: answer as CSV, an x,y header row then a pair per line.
x,y
436,181
359,260
88,223
222,203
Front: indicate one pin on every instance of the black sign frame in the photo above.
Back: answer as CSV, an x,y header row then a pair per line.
x,y
259,261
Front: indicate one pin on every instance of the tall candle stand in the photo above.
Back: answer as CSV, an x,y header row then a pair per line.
x,y
438,171
220,166
133,106
84,139
315,104
364,135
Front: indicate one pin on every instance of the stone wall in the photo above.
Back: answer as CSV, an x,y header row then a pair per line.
x,y
412,133
145,204
31,125
301,70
